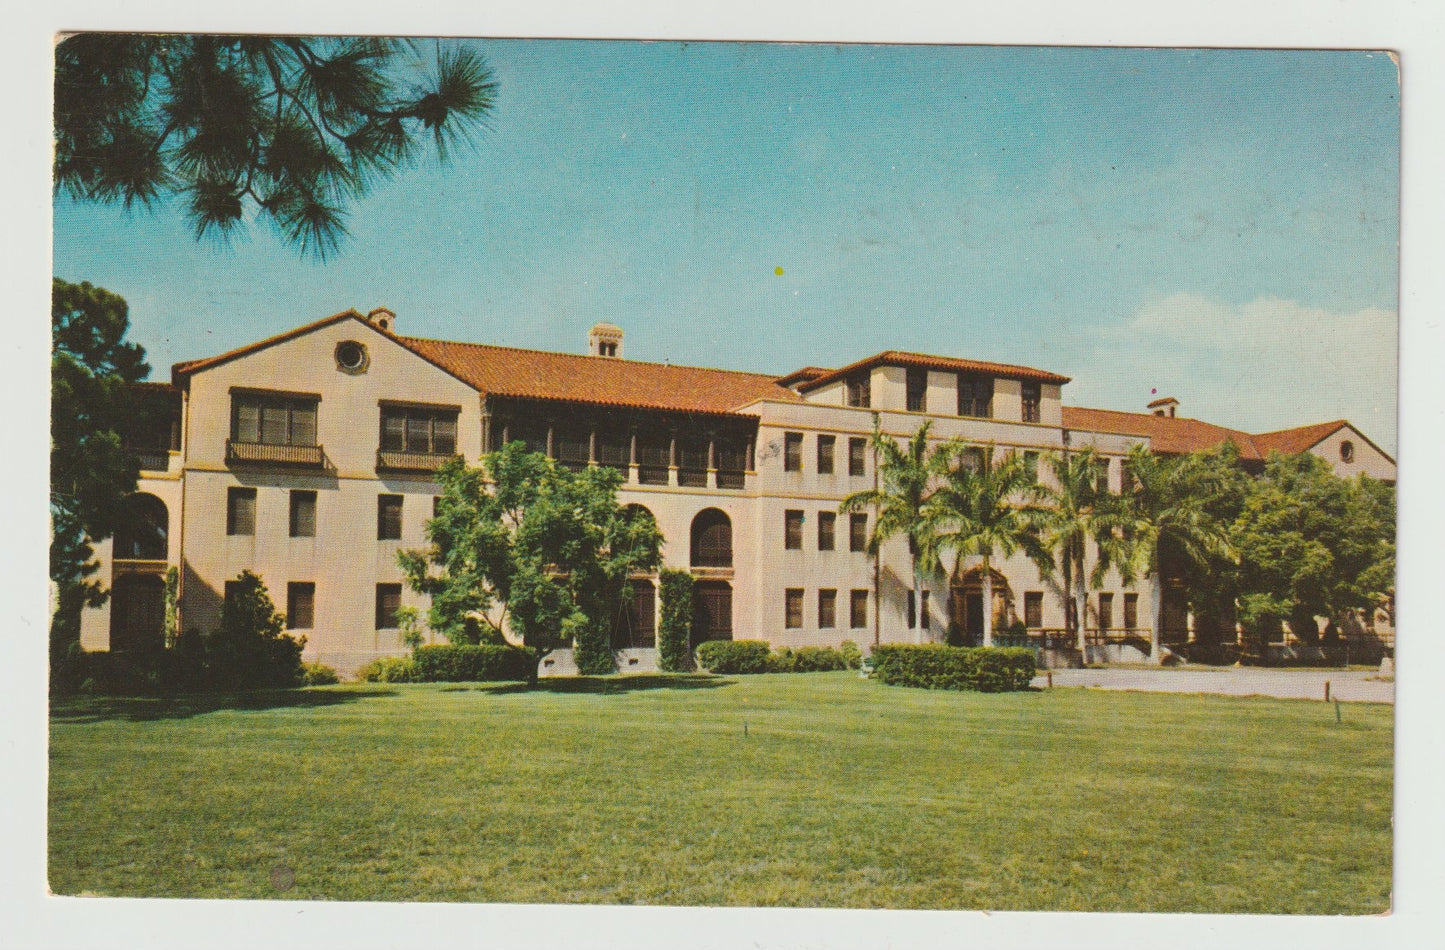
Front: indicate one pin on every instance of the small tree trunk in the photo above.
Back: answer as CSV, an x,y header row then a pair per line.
x,y
987,604
1081,611
917,606
1156,607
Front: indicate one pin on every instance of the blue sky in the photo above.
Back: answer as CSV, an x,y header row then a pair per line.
x,y
1221,226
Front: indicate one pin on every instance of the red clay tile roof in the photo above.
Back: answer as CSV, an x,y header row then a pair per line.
x,y
1166,435
534,374
947,363
801,375
1301,439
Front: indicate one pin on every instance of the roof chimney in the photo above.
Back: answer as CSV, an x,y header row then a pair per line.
x,y
383,319
1164,407
604,339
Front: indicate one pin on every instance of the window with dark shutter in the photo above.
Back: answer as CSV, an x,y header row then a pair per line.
x,y
793,530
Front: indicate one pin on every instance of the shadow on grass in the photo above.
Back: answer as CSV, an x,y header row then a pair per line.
x,y
88,709
600,684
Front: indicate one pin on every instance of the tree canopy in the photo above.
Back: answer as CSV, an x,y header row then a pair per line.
x,y
286,129
524,549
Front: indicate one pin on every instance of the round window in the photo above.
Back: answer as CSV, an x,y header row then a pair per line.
x,y
1347,451
351,357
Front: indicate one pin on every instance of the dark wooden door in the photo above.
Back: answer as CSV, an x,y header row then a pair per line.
x,y
712,614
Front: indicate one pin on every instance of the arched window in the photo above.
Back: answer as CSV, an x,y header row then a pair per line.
x,y
142,531
712,539
1347,451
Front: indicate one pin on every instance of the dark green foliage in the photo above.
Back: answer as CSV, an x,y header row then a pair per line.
x,y
318,674
92,405
675,628
526,546
852,656
286,129
250,649
591,645
733,656
817,660
935,666
467,663
393,669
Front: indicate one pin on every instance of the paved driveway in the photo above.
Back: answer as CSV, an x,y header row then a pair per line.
x,y
1348,686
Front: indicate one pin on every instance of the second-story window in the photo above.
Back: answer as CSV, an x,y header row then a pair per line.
x,y
858,392
388,517
917,390
975,396
792,451
826,445
1032,397
857,533
264,419
827,525
857,449
418,431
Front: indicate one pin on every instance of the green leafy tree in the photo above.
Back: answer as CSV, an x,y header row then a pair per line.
x,y
1169,521
524,549
984,510
287,129
251,649
904,476
1311,544
92,405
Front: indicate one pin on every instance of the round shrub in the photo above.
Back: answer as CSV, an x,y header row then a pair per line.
x,y
852,656
318,674
733,656
391,669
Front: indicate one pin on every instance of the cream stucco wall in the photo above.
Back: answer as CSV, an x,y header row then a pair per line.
x,y
1367,461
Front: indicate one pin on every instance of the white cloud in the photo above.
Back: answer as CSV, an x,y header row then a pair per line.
x,y
1268,364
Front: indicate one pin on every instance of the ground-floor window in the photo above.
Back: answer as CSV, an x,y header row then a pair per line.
x,y
712,617
858,609
388,602
635,624
827,608
1106,611
1131,611
300,605
793,608
1034,609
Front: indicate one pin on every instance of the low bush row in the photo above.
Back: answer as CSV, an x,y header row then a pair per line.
x,y
935,666
467,663
756,656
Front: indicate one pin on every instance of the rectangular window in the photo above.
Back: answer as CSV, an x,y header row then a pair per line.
x,y
858,391
436,505
1131,611
303,514
1106,611
1031,463
917,390
858,609
1034,609
1032,393
654,457
826,445
857,533
241,511
388,517
912,615
975,396
1126,477
418,431
925,620
792,451
827,522
388,602
232,591
827,609
258,418
972,458
300,605
856,454
793,530
793,612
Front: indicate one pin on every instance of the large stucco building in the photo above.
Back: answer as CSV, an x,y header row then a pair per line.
x,y
308,458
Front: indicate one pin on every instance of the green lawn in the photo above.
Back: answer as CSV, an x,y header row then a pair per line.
x,y
842,793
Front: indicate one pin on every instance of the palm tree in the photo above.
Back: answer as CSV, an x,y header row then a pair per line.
x,y
900,494
1081,511
1166,518
984,510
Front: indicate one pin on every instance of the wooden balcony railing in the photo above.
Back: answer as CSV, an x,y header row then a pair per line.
x,y
412,461
152,460
256,452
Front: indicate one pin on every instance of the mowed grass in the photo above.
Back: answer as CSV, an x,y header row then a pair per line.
x,y
840,793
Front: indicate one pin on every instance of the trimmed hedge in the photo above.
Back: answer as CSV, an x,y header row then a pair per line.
x,y
733,656
391,669
806,660
318,674
852,656
472,663
675,628
935,666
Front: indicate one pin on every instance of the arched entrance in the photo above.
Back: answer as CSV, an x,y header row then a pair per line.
x,y
137,612
966,605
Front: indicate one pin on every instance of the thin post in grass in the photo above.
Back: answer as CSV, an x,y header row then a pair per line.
x,y
1337,712
1327,690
